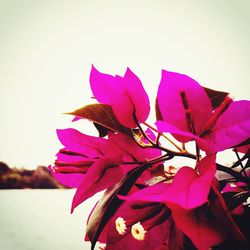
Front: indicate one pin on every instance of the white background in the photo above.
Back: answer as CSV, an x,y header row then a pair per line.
x,y
47,48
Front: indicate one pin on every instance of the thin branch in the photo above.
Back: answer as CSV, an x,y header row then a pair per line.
x,y
232,172
166,137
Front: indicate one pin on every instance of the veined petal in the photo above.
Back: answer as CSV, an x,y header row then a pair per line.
x,y
70,180
137,95
80,143
131,149
190,189
126,96
231,128
178,93
103,174
195,223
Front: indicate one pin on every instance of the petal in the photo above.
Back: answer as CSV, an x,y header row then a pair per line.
x,y
170,101
69,180
190,190
80,143
149,194
195,223
154,237
231,128
181,135
131,149
103,174
125,95
138,95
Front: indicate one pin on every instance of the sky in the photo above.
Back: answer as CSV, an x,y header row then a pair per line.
x,y
47,49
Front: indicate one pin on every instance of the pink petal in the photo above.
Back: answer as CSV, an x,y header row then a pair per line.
x,y
69,180
154,237
231,128
197,226
80,143
189,189
103,174
125,94
138,96
131,150
179,134
149,194
170,102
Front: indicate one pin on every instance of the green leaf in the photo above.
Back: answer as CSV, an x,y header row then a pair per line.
x,y
103,115
109,204
216,97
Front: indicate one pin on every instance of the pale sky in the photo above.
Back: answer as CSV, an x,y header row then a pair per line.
x,y
47,48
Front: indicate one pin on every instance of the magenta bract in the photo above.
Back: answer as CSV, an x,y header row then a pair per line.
x,y
125,95
151,201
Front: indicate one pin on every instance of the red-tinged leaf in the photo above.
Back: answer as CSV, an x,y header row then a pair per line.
x,y
103,115
101,129
109,204
216,97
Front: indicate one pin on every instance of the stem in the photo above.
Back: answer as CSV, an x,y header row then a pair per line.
x,y
232,172
237,163
166,137
197,152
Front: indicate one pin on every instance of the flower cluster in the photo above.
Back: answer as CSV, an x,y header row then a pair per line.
x,y
149,202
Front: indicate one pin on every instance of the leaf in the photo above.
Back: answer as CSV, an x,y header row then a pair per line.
x,y
216,97
103,115
101,129
106,207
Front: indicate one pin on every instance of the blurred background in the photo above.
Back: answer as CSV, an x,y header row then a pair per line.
x,y
46,51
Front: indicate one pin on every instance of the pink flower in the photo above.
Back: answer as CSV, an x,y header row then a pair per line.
x,y
185,196
125,95
93,164
187,113
143,226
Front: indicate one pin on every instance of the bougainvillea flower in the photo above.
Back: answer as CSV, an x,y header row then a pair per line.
x,y
143,225
125,95
187,113
92,164
89,161
189,189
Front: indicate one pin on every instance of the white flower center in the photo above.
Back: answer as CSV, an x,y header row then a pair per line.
x,y
138,231
120,225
